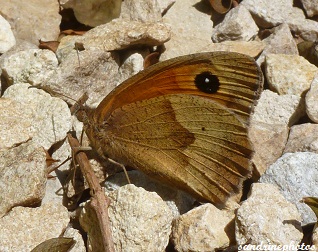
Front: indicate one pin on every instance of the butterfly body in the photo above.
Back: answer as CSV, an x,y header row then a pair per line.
x,y
184,122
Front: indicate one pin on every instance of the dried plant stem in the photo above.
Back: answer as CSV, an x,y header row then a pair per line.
x,y
99,201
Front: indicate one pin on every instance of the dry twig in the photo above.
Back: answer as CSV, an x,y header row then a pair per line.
x,y
99,201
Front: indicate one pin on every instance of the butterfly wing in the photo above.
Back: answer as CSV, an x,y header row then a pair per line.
x,y
183,140
183,122
235,82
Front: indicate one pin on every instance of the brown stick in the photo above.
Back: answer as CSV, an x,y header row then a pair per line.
x,y
99,201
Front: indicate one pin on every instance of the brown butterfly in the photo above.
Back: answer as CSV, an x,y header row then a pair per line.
x,y
184,122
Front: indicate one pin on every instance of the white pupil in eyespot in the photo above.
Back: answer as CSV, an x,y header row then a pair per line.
x,y
207,80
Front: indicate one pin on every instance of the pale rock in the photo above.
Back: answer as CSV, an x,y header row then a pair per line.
x,y
21,45
189,31
205,228
238,24
302,138
7,39
289,74
51,117
22,176
96,73
94,12
266,217
15,124
24,228
311,7
140,220
142,10
76,235
165,5
178,201
269,13
280,41
311,100
38,19
268,142
300,26
133,63
269,124
30,66
296,175
53,189
120,34
250,48
278,109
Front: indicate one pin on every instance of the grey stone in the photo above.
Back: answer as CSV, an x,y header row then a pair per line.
x,y
94,12
296,176
38,19
24,228
140,220
22,176
7,39
267,218
238,24
289,74
205,228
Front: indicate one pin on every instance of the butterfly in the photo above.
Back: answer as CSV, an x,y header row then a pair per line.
x,y
184,122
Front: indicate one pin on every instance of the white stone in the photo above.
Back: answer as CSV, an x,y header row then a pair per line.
x,y
296,176
250,48
165,5
289,74
23,176
205,228
312,100
24,228
91,76
311,7
94,12
178,201
302,138
134,63
268,142
142,10
7,39
305,28
140,220
115,35
38,19
280,41
30,66
238,24
269,13
121,34
51,117
190,29
15,124
266,217
278,109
